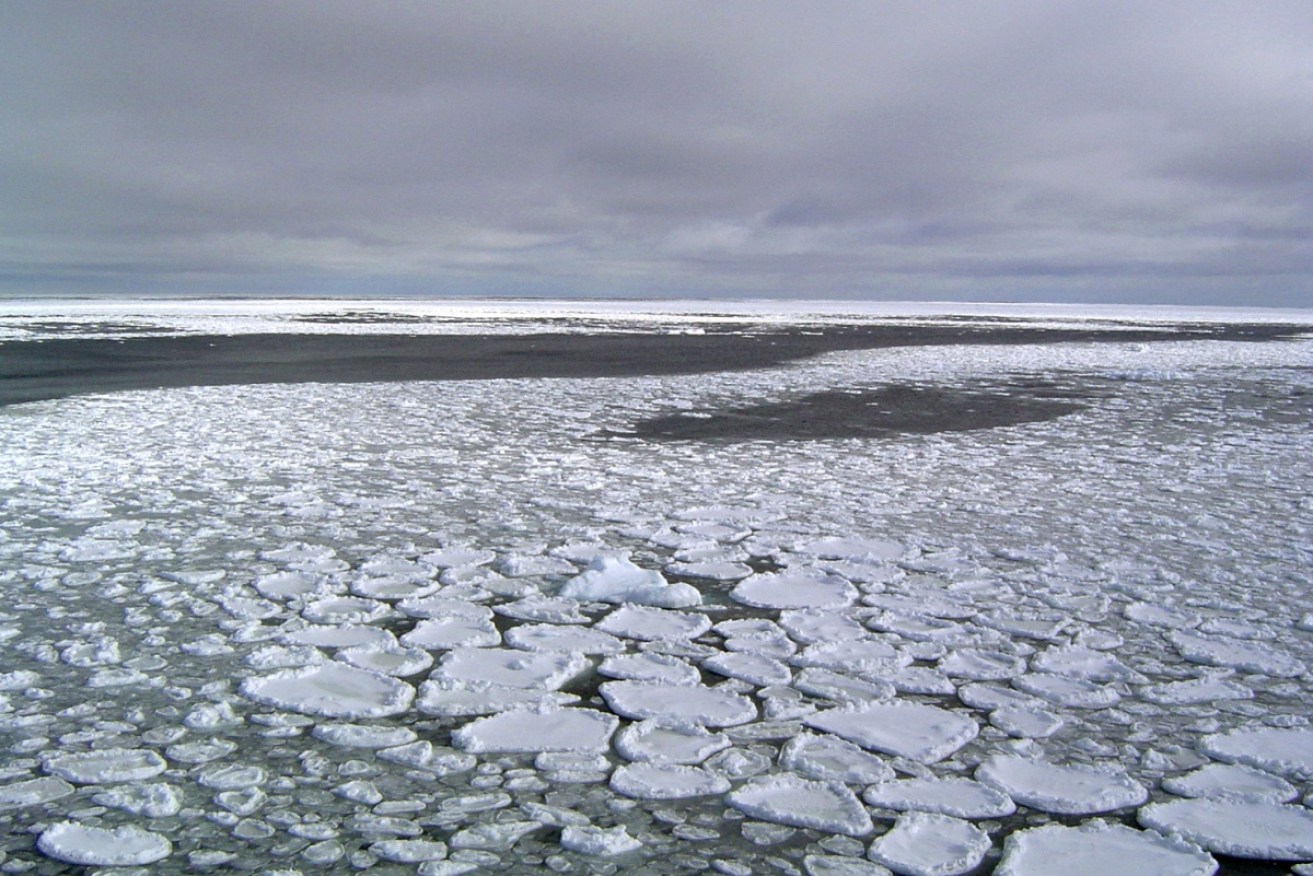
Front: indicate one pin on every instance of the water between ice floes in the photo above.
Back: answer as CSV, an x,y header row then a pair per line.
x,y
321,627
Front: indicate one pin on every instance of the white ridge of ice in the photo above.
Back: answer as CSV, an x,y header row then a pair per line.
x,y
958,797
1287,751
668,741
616,579
332,690
1097,848
1266,831
788,799
829,758
104,766
1070,789
794,590
1234,782
126,846
538,730
649,623
654,780
709,707
928,844
1240,654
912,730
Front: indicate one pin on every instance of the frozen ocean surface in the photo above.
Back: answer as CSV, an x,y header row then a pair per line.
x,y
478,626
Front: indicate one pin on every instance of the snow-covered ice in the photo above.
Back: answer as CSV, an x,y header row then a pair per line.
x,y
126,846
332,690
912,730
788,799
927,844
1242,829
1097,848
1065,789
534,730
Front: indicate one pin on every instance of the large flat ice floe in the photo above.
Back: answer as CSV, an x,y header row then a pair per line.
x,y
479,626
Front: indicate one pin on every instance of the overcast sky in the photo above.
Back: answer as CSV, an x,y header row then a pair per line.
x,y
1149,151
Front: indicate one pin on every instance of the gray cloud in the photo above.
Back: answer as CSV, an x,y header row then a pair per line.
x,y
1061,150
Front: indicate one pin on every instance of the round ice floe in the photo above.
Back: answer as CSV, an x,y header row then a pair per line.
x,y
125,846
409,851
710,570
1026,722
1157,615
1074,693
1097,848
841,865
960,798
104,766
1267,831
920,680
794,590
810,625
857,656
1195,690
453,558
927,844
648,623
46,789
1071,789
599,841
646,666
1240,654
829,758
345,636
392,588
444,607
344,610
755,669
362,735
669,742
1287,751
538,730
666,781
201,751
424,755
440,633
569,639
679,702
842,688
858,549
788,799
912,730
1081,662
1233,782
457,698
509,667
399,662
615,579
332,690
152,800
546,609
922,603
1046,626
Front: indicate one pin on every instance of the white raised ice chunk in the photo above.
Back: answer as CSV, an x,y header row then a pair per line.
x,y
538,730
798,589
104,765
1070,789
829,758
666,781
1267,831
505,666
670,742
788,799
857,549
457,631
1233,782
1284,750
648,666
598,841
332,690
710,707
462,699
33,792
927,844
755,669
648,623
151,799
960,798
1240,654
1098,848
911,730
615,579
568,639
126,846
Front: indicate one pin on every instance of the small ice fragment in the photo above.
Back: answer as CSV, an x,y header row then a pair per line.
x,y
154,800
681,702
600,841
1097,848
1071,789
839,865
564,730
960,798
648,623
454,699
344,636
913,730
842,688
424,755
1233,782
500,836
332,690
928,844
403,851
785,590
1265,831
126,846
787,799
104,766
666,781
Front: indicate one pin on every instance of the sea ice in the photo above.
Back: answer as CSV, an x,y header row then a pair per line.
x,y
913,730
753,668
786,590
927,844
441,633
1287,751
332,690
126,846
512,668
710,707
46,789
1195,690
104,766
399,662
1025,721
538,730
1240,654
960,798
809,626
1070,789
1232,782
647,666
1097,848
829,758
857,549
566,639
666,781
546,609
842,688
648,623
607,841
670,742
787,799
344,636
1074,693
462,699
1267,831
362,735
616,579
856,656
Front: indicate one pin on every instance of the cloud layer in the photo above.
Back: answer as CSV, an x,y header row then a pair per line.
x,y
1016,150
